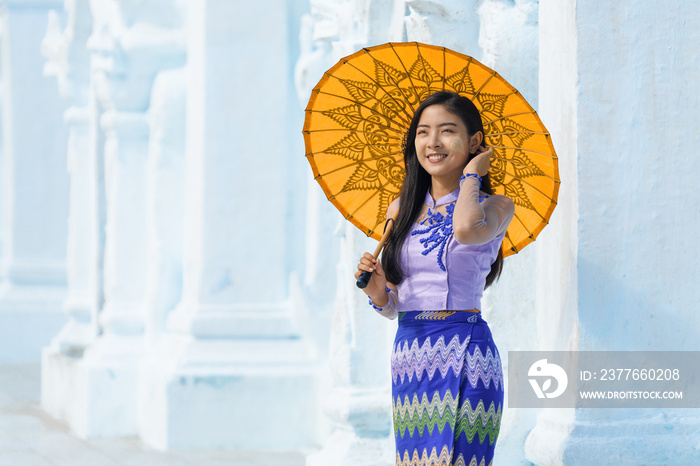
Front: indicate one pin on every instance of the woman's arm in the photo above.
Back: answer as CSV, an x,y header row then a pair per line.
x,y
475,222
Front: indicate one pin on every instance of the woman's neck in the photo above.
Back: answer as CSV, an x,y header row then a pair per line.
x,y
440,186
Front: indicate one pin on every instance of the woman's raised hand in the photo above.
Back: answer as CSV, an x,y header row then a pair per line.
x,y
376,286
481,163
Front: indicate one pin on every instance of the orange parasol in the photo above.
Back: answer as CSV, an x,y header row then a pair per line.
x,y
360,110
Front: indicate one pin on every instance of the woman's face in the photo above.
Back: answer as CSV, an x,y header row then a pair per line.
x,y
442,143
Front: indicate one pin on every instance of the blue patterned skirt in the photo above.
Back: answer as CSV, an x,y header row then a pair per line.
x,y
447,390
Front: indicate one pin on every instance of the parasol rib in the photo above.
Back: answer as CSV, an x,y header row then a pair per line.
x,y
444,68
354,131
524,149
515,215
516,132
493,73
507,237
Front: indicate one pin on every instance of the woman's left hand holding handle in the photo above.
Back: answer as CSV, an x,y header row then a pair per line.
x,y
376,288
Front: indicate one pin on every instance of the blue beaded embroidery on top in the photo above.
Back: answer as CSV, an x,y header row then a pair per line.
x,y
440,230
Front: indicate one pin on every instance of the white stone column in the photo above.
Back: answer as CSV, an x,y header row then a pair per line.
x,y
233,369
557,276
618,275
69,61
129,44
34,187
357,404
165,199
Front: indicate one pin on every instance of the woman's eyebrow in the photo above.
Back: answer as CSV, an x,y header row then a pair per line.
x,y
449,123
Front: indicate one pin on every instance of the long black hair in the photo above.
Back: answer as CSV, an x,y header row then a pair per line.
x,y
417,182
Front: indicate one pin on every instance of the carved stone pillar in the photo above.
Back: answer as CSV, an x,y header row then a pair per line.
x,y
68,62
34,187
129,44
165,199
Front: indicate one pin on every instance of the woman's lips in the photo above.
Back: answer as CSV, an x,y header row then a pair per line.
x,y
436,158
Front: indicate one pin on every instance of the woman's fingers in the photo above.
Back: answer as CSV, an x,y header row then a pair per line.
x,y
483,149
481,163
367,263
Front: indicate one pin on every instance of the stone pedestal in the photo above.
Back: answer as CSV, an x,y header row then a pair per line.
x,y
247,394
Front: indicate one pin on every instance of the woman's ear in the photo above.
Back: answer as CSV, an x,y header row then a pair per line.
x,y
475,141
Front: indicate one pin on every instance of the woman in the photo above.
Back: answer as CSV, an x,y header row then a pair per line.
x,y
443,251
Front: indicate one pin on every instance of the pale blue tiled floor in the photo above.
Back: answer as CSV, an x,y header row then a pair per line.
x,y
29,437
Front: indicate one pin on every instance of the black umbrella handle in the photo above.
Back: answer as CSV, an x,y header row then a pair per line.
x,y
364,280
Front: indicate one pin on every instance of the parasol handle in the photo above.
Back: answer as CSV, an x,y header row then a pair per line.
x,y
363,281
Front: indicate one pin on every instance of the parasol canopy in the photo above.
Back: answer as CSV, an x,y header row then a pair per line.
x,y
360,110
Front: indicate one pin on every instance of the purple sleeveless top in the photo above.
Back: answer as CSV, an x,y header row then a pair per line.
x,y
439,272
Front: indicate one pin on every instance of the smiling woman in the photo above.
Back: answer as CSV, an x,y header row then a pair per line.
x,y
440,147
442,253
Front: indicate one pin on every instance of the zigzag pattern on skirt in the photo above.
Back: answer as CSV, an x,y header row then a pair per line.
x,y
424,413
443,459
486,368
415,360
